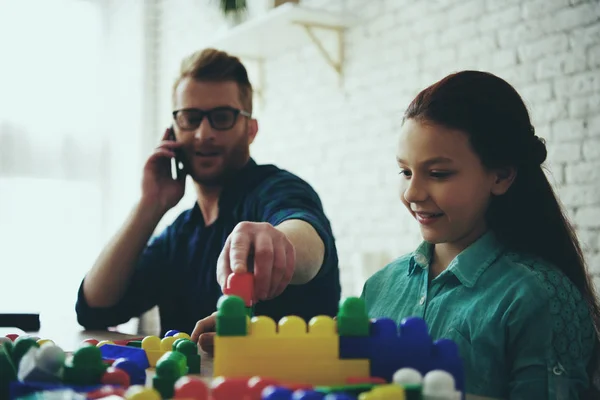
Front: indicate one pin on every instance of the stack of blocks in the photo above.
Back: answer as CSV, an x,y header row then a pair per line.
x,y
29,365
325,351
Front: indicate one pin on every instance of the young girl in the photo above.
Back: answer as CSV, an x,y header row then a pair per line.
x,y
500,270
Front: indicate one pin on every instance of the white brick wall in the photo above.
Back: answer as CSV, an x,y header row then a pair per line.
x,y
341,139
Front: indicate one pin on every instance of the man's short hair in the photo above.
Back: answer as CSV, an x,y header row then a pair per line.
x,y
211,65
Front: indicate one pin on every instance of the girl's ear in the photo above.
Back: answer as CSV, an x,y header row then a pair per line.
x,y
504,178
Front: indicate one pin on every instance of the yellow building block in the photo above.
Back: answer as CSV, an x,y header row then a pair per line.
x,y
153,346
293,338
289,351
290,370
384,392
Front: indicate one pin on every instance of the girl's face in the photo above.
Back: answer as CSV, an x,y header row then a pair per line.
x,y
444,185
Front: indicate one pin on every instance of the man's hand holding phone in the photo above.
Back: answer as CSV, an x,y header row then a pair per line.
x,y
158,186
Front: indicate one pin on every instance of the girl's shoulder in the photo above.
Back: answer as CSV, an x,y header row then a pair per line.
x,y
541,278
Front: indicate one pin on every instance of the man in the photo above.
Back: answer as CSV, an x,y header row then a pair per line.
x,y
243,211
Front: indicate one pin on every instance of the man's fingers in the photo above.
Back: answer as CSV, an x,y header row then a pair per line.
x,y
204,325
279,268
207,342
223,265
263,265
238,251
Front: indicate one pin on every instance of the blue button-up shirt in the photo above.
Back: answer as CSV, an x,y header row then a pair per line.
x,y
177,270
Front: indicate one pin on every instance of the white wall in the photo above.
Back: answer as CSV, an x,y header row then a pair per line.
x,y
341,139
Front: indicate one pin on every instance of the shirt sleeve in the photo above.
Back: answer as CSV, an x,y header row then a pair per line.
x,y
144,291
285,197
551,338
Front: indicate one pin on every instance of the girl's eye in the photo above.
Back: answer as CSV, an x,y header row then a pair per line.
x,y
440,174
405,172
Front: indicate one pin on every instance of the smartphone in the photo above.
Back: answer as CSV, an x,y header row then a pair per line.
x,y
177,168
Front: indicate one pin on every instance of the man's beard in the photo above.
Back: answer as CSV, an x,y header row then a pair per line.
x,y
232,162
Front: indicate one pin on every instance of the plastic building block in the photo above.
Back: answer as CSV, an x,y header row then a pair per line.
x,y
232,319
389,350
115,376
171,332
277,393
191,389
169,368
190,350
138,392
85,368
352,318
181,335
137,355
229,388
45,341
384,392
137,375
256,385
21,346
267,352
241,285
107,393
344,396
135,343
4,339
44,364
12,336
93,342
155,347
353,389
8,372
439,385
21,389
103,342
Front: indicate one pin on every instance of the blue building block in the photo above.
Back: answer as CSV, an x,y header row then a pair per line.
x,y
276,393
137,375
390,349
339,396
172,332
307,395
134,354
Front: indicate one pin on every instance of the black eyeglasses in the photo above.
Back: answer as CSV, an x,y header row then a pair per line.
x,y
220,118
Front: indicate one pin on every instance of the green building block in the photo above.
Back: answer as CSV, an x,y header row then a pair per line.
x,y
8,372
135,343
352,318
231,316
413,392
169,368
20,347
190,350
351,389
86,367
250,312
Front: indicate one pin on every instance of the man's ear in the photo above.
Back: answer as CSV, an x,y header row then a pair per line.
x,y
504,179
252,130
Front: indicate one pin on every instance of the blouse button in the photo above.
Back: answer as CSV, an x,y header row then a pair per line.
x,y
422,301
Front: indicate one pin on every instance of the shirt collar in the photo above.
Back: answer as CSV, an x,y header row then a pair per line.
x,y
468,265
231,189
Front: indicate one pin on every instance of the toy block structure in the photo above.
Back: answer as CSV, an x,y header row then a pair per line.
x,y
289,351
327,352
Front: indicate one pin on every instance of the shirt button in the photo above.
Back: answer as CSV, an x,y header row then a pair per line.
x,y
422,301
421,259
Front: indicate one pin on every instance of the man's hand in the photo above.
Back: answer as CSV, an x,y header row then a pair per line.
x,y
260,248
158,187
204,333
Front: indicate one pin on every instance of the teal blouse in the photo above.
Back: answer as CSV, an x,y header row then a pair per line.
x,y
523,329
